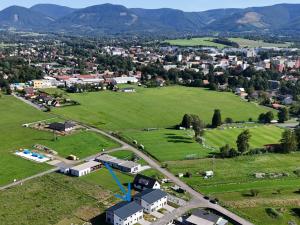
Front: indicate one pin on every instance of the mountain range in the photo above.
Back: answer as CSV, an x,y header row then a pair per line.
x,y
117,19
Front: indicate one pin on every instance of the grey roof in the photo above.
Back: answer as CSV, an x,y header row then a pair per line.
x,y
151,195
86,165
206,215
129,164
125,209
105,158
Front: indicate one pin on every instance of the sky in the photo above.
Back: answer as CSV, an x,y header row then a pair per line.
x,y
186,5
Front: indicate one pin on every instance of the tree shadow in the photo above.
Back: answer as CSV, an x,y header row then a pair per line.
x,y
179,139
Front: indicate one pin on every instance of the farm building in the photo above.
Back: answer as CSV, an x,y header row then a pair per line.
x,y
123,165
142,182
85,168
66,126
124,213
151,199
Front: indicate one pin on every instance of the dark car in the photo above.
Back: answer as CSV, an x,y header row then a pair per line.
x,y
206,197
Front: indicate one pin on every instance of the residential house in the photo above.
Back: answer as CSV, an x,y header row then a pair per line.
x,y
151,199
142,182
85,168
241,92
66,126
200,217
124,213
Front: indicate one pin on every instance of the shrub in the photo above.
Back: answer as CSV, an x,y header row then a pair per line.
x,y
254,192
297,172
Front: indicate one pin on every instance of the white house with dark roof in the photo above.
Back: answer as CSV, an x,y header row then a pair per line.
x,y
124,213
200,217
151,199
142,182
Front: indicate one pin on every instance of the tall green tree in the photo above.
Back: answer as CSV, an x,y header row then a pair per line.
x,y
187,121
198,127
242,141
216,119
283,115
288,141
297,133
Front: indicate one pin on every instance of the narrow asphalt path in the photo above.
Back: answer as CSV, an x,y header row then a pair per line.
x,y
20,182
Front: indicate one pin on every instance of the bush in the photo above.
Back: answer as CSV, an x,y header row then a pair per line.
x,y
254,192
297,172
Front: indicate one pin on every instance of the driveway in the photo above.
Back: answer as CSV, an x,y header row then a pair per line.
x,y
157,214
144,222
169,208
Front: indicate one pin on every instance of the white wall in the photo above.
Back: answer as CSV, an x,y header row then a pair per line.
x,y
135,218
155,206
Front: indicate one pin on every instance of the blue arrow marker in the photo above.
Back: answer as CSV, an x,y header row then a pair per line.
x,y
127,194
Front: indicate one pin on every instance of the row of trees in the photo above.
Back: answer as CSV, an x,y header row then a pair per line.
x,y
191,120
283,116
290,142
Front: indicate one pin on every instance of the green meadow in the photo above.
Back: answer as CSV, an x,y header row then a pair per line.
x,y
234,179
257,43
155,108
54,199
81,144
168,145
204,41
13,136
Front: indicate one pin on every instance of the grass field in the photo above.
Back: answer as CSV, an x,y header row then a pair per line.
x,y
13,136
104,179
168,145
53,199
234,179
205,42
255,44
81,144
160,107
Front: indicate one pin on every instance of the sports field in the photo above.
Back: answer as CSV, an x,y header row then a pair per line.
x,y
13,136
167,145
204,41
155,108
256,44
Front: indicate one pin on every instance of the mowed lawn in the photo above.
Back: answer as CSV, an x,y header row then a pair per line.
x,y
260,136
53,199
168,145
81,144
14,113
204,41
155,107
259,43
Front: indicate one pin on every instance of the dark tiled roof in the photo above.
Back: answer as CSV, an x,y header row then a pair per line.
x,y
144,181
125,209
206,215
151,195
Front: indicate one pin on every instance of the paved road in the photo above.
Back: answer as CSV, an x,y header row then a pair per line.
x,y
197,198
20,182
